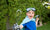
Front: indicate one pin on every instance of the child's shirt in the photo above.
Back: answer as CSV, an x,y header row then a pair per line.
x,y
29,24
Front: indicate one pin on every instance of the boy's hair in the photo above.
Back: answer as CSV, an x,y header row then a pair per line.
x,y
28,9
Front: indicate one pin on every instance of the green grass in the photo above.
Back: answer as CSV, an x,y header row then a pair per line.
x,y
44,27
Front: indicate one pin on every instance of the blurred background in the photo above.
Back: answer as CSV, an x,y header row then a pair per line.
x,y
12,11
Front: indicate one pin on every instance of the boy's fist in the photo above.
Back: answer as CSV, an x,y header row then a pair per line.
x,y
37,19
21,26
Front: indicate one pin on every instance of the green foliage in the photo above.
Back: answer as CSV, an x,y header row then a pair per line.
x,y
8,10
3,14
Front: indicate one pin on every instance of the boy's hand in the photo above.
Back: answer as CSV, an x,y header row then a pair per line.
x,y
37,19
21,26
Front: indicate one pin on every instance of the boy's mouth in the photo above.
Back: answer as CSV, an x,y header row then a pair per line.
x,y
30,16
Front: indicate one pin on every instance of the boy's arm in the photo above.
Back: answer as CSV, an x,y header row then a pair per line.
x,y
21,26
37,21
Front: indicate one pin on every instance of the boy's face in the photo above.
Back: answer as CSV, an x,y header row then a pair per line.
x,y
30,14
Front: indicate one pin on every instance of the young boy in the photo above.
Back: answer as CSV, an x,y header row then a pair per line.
x,y
29,22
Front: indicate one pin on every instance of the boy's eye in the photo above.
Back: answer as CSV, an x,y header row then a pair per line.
x,y
32,13
29,12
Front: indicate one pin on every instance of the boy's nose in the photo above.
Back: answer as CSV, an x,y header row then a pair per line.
x,y
31,13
